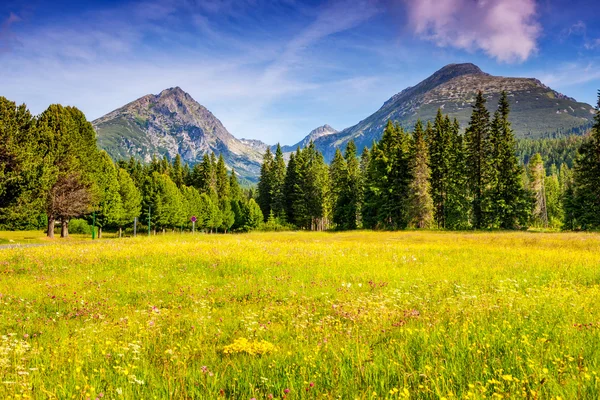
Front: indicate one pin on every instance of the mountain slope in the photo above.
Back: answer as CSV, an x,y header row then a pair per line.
x,y
172,123
536,110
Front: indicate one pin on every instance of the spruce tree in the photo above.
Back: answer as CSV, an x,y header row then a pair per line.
x,y
458,204
477,141
278,183
337,174
537,178
222,180
584,204
265,185
440,145
509,201
420,204
177,172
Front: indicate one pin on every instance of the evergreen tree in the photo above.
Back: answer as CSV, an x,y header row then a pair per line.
x,y
131,199
420,204
553,201
440,145
337,179
477,142
511,202
585,201
538,182
295,205
277,183
108,207
176,172
254,216
458,205
24,175
234,187
346,211
265,183
222,179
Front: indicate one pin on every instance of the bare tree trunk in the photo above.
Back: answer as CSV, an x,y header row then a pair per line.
x,y
50,231
99,232
64,228
120,232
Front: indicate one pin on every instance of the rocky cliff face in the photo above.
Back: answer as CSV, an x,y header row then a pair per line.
x,y
172,123
537,111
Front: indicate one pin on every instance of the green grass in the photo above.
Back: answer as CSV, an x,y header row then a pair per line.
x,y
322,315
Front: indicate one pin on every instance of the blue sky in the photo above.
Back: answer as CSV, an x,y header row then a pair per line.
x,y
274,70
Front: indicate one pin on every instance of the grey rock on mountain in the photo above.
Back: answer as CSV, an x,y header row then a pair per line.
x,y
315,134
172,123
536,110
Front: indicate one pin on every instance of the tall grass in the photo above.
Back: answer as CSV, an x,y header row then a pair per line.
x,y
357,315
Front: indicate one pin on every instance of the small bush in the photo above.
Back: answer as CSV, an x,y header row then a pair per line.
x,y
80,226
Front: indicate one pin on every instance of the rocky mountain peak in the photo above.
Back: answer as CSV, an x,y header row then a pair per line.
x,y
321,131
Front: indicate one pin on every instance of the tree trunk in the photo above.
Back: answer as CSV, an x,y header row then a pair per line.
x,y
50,231
120,232
163,231
99,232
154,231
64,228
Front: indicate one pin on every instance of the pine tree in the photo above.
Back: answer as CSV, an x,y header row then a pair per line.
x,y
265,184
477,141
346,210
458,204
278,183
440,145
509,202
176,172
537,175
337,179
585,199
420,204
234,187
222,180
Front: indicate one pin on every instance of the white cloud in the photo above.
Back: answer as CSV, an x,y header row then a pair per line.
x,y
504,29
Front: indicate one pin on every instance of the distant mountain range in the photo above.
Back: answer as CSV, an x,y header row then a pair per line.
x,y
173,123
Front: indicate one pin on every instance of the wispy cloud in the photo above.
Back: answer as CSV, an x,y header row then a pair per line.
x,y
504,29
6,36
570,74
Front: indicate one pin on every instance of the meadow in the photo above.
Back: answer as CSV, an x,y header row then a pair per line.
x,y
357,315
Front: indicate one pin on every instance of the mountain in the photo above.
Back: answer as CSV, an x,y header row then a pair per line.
x,y
537,111
172,123
315,134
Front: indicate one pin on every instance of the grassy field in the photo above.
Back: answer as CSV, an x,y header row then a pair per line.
x,y
358,315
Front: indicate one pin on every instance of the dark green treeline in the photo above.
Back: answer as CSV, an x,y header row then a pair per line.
x,y
438,177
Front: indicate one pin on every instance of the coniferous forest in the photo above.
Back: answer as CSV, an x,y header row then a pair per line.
x,y
437,176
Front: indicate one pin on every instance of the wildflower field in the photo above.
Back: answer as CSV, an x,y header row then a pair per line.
x,y
357,315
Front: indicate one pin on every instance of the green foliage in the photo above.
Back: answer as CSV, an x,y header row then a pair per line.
x,y
583,204
420,203
80,226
